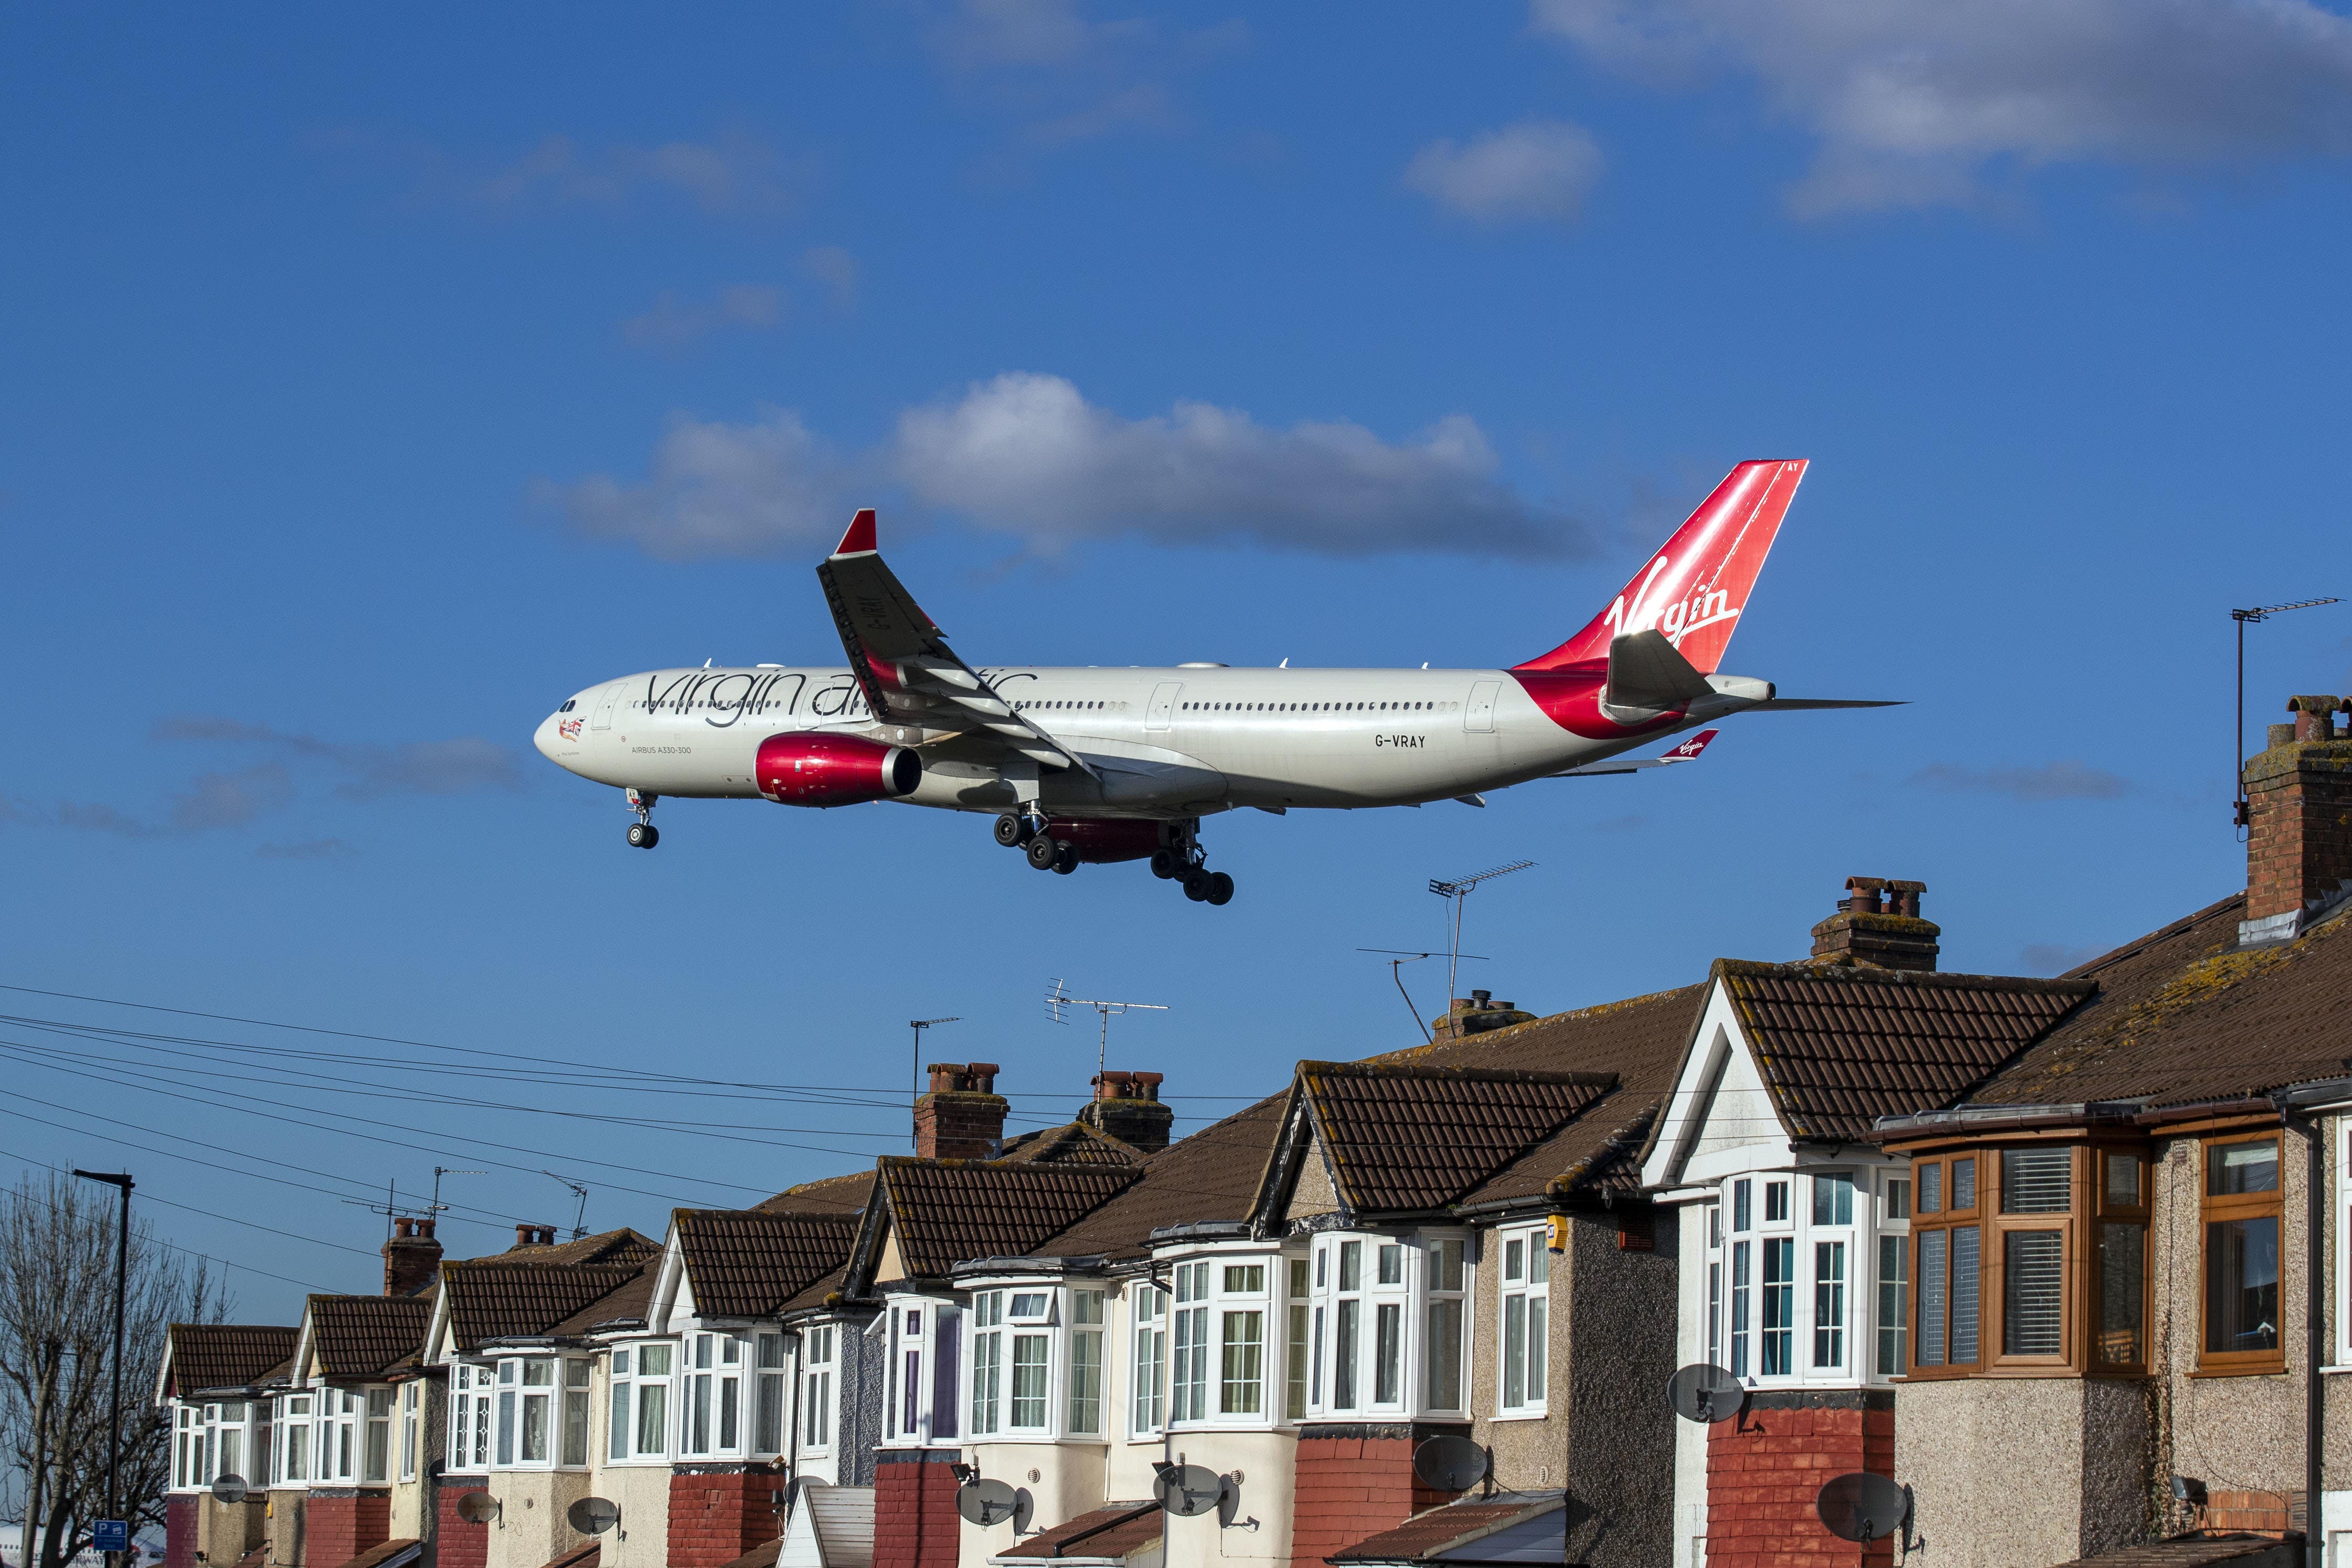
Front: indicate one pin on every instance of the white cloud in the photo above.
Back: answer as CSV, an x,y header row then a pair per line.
x,y
1537,169
1028,455
676,323
1911,103
2069,779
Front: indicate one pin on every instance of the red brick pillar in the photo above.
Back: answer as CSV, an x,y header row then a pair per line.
x,y
718,1512
455,1543
915,1520
1355,1480
1765,1469
180,1530
338,1525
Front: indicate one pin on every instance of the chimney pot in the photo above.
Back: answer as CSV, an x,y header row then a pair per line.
x,y
1482,999
962,1117
1127,1106
526,1234
411,1257
1879,932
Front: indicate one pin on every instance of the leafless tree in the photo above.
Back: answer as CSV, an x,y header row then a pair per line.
x,y
56,1331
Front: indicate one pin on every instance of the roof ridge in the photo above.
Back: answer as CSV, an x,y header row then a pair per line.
x,y
1433,1072
1937,979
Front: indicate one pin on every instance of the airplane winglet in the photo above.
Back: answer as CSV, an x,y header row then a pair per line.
x,y
859,540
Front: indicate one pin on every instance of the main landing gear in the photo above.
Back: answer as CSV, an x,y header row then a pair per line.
x,y
1175,855
643,834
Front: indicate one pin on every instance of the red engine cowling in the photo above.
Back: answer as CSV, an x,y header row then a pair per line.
x,y
834,770
1103,839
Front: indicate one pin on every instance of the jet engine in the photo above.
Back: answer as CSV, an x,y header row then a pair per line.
x,y
834,770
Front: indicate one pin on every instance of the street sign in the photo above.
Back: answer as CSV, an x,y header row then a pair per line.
x,y
110,1535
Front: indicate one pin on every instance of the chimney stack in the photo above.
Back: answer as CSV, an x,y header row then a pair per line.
x,y
412,1257
1877,927
1127,1106
2299,812
963,1116
534,1235
1476,1014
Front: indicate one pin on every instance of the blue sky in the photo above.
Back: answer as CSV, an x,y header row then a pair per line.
x,y
373,384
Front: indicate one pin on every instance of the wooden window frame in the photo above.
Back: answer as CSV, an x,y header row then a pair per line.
x,y
1945,1218
2104,1211
2213,1209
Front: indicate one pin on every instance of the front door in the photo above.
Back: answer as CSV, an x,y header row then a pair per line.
x,y
1162,713
1479,714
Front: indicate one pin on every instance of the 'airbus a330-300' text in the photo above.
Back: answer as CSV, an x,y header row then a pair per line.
x,y
1111,764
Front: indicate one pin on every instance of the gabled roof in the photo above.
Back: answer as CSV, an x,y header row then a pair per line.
x,y
225,1355
745,1263
494,1299
365,1336
1839,1047
623,1248
943,1212
1073,1143
1410,1138
2184,1015
1211,1174
1107,1534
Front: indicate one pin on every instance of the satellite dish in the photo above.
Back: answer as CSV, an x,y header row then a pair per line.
x,y
478,1508
1451,1463
1705,1394
1188,1491
592,1515
229,1488
987,1503
1864,1507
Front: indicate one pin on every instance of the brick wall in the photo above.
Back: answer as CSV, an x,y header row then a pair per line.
x,y
180,1530
718,1512
340,1525
1764,1471
2300,845
915,1520
455,1544
1353,1481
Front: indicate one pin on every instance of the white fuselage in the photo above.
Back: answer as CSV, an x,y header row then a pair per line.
x,y
1161,743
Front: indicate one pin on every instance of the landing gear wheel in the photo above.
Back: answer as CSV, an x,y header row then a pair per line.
x,y
1221,888
1013,831
1066,859
1196,886
1165,866
1044,851
643,835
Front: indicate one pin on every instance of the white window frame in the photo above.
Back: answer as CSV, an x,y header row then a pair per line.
x,y
627,1387
819,1348
713,1415
1085,1380
412,1424
1888,1226
1189,1337
767,1423
335,1424
376,1436
469,1417
1435,1295
1530,1286
920,1333
1147,1401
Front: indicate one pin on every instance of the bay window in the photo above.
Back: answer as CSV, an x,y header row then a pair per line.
x,y
987,1363
1387,1325
184,1445
768,1423
1831,1239
375,1447
337,1429
1189,1377
1085,1364
816,1387
1742,1252
1347,1321
469,1417
2242,1220
1241,1371
1151,1360
411,1419
1526,1321
1894,1275
922,1389
713,1396
295,1448
1442,1354
1296,1357
637,1426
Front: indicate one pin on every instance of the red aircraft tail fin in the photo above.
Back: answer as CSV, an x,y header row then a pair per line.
x,y
1693,590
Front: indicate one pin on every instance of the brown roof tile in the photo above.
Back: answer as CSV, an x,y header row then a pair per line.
x,y
1411,1137
2183,1015
494,1299
1839,1047
227,1356
1425,1535
629,1304
1073,1143
2201,1551
365,1336
622,1248
818,1291
1113,1531
944,1212
845,1194
744,1263
1211,1174
391,1554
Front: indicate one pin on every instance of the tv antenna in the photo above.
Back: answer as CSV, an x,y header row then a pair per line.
x,y
919,1026
1059,997
1400,960
580,1216
389,1208
2239,815
1458,890
436,1207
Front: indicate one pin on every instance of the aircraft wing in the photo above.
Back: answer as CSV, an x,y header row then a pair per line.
x,y
1687,752
902,660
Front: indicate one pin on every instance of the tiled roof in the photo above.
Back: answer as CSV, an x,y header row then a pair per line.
x,y
364,1337
2201,1551
1641,1040
2183,1015
743,1263
1840,1047
494,1299
1073,1143
629,1304
1113,1531
818,1291
623,1248
227,1356
845,1194
394,1553
945,1211
1425,1535
1210,1175
1407,1138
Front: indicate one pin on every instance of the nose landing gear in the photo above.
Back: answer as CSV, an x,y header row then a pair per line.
x,y
643,834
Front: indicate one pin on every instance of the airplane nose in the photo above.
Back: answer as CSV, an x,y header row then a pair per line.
x,y
544,737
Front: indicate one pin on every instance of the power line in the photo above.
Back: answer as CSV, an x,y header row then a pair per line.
x,y
188,1251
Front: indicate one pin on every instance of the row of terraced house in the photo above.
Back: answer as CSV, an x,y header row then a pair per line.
x,y
2064,1257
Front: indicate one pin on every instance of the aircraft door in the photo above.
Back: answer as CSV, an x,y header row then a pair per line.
x,y
602,719
1161,714
1478,713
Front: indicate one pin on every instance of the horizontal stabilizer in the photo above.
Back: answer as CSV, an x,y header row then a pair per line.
x,y
1806,705
1644,672
1687,752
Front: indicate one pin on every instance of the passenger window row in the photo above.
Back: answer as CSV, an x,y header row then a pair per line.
x,y
1316,708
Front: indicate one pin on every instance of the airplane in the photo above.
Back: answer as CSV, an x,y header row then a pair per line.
x,y
1105,764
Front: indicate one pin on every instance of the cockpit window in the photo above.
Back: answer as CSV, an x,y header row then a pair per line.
x,y
568,707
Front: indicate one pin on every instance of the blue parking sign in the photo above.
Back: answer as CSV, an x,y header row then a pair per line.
x,y
110,1535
